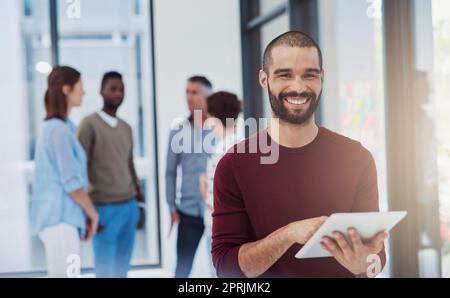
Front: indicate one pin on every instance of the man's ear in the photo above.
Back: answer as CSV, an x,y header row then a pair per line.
x,y
263,78
322,76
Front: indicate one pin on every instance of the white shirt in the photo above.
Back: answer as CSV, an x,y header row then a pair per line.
x,y
110,120
220,150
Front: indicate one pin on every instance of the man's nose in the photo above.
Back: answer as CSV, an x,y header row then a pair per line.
x,y
298,85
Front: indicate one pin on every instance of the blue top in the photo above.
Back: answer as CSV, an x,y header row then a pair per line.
x,y
60,168
186,150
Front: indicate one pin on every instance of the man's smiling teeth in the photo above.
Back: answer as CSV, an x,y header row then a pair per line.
x,y
296,101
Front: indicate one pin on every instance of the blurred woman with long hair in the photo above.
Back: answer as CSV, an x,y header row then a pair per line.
x,y
62,212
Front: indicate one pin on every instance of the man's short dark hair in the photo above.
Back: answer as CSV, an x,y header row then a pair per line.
x,y
110,75
202,80
291,39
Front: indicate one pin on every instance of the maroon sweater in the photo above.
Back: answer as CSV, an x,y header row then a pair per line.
x,y
332,174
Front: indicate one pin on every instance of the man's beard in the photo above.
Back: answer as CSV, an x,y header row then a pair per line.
x,y
111,104
280,110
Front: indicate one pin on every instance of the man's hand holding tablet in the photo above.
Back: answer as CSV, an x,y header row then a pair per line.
x,y
353,239
350,254
353,254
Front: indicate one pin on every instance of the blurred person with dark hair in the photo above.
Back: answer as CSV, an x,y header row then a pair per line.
x,y
113,182
223,112
61,210
187,210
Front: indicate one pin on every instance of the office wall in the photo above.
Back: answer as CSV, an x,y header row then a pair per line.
x,y
13,210
191,37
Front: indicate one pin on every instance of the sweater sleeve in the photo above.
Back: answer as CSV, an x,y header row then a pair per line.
x,y
366,198
231,224
131,165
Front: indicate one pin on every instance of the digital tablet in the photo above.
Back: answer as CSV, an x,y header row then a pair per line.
x,y
368,224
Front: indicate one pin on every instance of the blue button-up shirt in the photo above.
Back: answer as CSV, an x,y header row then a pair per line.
x,y
186,150
60,168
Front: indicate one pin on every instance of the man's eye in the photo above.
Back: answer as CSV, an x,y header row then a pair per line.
x,y
310,77
285,76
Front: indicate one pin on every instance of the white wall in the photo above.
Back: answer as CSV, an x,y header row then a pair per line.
x,y
191,37
13,206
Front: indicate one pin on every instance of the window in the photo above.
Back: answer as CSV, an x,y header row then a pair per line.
x,y
353,102
116,35
28,53
268,32
262,21
440,111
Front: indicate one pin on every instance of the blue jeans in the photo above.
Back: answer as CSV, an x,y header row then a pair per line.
x,y
113,245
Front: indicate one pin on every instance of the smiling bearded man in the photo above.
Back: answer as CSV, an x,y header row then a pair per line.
x,y
263,214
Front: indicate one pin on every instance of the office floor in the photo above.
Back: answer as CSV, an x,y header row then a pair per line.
x,y
150,273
